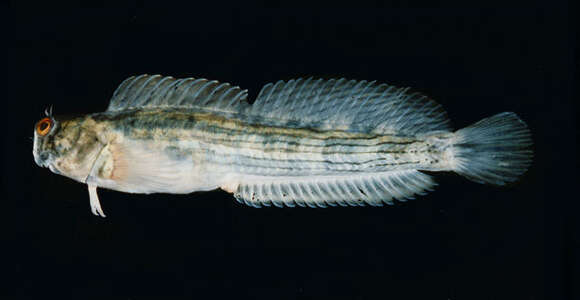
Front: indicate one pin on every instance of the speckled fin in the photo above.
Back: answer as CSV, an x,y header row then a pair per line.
x,y
349,104
368,189
157,91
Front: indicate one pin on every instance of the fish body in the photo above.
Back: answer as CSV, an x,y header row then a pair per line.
x,y
303,142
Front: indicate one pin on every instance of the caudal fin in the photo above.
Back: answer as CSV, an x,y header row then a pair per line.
x,y
495,150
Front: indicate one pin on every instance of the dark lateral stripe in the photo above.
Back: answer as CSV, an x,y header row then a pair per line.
x,y
237,138
273,148
244,132
297,167
190,121
265,149
243,139
329,162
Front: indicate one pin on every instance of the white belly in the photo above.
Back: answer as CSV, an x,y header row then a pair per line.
x,y
155,167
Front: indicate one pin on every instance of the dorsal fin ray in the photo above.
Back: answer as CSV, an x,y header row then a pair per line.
x,y
348,104
321,104
155,91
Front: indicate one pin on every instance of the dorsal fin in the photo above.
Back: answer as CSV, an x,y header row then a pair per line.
x,y
351,104
152,91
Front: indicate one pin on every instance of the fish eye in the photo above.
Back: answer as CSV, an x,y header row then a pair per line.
x,y
43,126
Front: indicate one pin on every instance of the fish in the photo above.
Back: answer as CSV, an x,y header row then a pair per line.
x,y
303,142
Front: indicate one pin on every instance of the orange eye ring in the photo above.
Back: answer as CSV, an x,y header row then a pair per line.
x,y
43,126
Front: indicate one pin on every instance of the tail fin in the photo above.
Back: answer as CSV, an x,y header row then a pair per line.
x,y
495,150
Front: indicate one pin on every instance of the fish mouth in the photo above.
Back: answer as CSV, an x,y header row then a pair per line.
x,y
44,159
52,168
40,161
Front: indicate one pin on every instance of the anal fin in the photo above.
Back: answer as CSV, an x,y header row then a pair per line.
x,y
373,189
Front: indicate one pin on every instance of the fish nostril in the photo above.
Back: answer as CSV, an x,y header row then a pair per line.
x,y
43,156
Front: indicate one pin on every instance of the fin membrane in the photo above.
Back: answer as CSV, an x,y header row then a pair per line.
x,y
356,105
336,103
360,190
495,150
154,91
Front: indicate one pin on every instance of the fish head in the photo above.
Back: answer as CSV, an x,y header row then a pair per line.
x,y
67,146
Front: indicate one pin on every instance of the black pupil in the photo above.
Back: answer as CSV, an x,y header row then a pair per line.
x,y
43,126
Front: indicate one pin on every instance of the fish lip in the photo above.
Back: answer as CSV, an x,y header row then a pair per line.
x,y
43,160
38,161
48,163
52,168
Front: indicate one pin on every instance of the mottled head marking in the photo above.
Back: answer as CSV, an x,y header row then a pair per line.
x,y
68,146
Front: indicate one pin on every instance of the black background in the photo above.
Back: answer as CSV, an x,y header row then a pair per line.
x,y
462,241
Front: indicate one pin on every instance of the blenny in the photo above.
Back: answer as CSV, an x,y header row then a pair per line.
x,y
303,142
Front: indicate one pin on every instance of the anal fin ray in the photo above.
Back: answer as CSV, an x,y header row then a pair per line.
x,y
373,189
